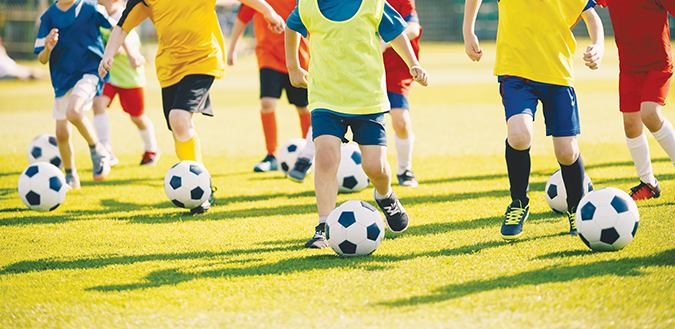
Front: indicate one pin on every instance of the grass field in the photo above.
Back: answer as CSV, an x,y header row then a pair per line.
x,y
117,253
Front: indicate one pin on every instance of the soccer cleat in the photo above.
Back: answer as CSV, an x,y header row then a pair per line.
x,y
206,206
571,215
645,191
318,241
73,181
299,171
268,164
407,178
113,158
100,163
150,158
396,216
515,216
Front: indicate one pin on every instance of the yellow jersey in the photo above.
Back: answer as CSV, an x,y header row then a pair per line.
x,y
189,36
534,40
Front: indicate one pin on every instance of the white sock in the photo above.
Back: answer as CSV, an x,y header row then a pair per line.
x,y
323,219
380,196
404,149
308,151
102,126
666,138
639,151
149,140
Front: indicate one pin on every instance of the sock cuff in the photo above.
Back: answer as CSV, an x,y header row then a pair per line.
x,y
405,141
323,219
637,141
510,148
666,129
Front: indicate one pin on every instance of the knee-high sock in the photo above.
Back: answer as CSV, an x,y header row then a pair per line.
x,y
666,138
639,151
518,164
102,126
269,123
404,149
189,150
573,177
305,123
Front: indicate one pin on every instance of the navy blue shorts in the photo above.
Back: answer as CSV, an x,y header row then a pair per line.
x,y
272,82
398,101
561,114
366,129
190,94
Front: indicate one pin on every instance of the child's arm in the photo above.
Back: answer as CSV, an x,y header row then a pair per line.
x,y
50,43
296,73
594,52
238,29
401,45
117,37
275,22
412,32
136,59
471,45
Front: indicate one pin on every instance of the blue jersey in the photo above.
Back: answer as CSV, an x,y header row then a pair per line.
x,y
79,49
391,25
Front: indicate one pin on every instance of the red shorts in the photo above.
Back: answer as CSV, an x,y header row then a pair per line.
x,y
638,87
130,98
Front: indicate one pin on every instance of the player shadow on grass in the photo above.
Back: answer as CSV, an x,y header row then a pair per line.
x,y
223,269
633,266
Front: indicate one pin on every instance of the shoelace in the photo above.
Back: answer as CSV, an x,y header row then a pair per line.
x,y
573,223
514,216
392,209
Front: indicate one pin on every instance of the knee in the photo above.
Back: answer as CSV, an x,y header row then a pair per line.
x,y
267,105
520,140
401,127
632,128
566,156
326,160
62,135
375,170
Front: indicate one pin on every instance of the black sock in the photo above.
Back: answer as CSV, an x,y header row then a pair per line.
x,y
518,164
573,177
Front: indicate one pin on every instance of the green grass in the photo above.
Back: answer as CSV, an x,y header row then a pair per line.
x,y
117,253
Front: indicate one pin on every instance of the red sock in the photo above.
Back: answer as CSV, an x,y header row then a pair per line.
x,y
269,123
305,123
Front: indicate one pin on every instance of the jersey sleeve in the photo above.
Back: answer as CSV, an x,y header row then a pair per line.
x,y
43,32
392,24
668,5
406,9
102,18
135,13
590,4
246,14
295,23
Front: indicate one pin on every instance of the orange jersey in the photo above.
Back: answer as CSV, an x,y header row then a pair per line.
x,y
270,46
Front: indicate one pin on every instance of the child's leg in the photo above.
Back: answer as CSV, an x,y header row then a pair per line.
x,y
147,131
376,167
101,121
326,163
405,139
571,168
65,143
659,126
638,146
518,161
185,136
75,114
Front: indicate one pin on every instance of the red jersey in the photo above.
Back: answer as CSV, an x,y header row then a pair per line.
x,y
397,71
642,34
270,46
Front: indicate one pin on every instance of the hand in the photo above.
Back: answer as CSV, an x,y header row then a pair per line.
x,y
593,56
298,77
472,48
105,65
52,39
275,23
420,75
136,60
231,58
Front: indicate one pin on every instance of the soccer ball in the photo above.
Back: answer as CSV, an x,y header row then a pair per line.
x,y
290,152
607,219
42,187
44,149
350,175
556,194
188,184
354,228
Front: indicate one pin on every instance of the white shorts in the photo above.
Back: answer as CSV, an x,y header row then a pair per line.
x,y
85,88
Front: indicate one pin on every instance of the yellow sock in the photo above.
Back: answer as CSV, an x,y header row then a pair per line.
x,y
189,150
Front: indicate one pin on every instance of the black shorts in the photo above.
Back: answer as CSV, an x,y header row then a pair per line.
x,y
191,94
272,82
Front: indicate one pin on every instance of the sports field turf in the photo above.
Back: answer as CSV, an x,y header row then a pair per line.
x,y
117,253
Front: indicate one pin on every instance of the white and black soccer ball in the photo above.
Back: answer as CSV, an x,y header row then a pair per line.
x,y
188,184
354,228
289,153
45,149
556,194
42,187
350,175
607,219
